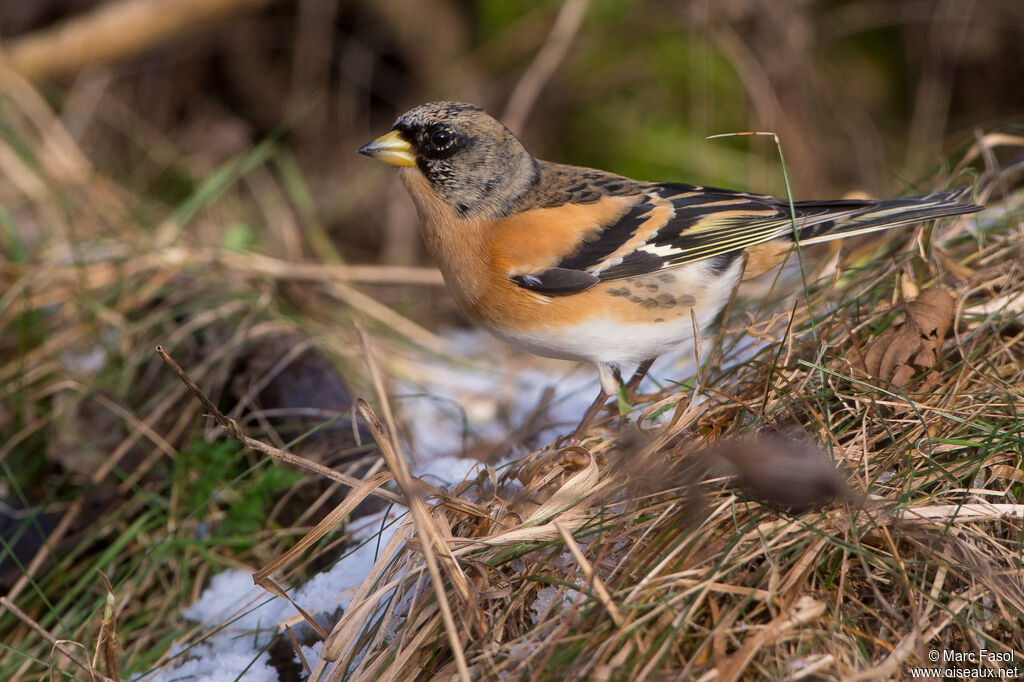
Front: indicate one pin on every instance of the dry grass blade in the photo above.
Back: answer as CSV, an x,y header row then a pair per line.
x,y
329,522
57,644
367,599
426,530
964,513
431,539
336,516
106,642
804,611
590,576
292,271
889,667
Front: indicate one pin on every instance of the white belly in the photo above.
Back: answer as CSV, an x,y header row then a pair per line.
x,y
604,340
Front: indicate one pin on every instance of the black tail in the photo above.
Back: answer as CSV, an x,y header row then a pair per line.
x,y
827,220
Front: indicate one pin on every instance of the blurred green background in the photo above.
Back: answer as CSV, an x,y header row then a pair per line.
x,y
867,95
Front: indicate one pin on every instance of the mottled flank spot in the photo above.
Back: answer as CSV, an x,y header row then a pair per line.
x,y
620,291
686,300
644,302
667,277
666,300
651,286
659,319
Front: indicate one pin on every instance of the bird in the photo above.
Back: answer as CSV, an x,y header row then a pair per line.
x,y
584,264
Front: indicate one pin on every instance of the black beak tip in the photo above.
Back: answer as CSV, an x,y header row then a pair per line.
x,y
366,149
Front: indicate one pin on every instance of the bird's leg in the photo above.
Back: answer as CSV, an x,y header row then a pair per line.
x,y
588,416
611,380
626,394
638,376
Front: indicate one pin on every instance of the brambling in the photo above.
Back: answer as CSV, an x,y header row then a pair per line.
x,y
582,264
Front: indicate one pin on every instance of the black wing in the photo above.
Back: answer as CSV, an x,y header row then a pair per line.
x,y
674,224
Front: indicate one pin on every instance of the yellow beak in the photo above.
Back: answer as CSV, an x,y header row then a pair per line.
x,y
390,148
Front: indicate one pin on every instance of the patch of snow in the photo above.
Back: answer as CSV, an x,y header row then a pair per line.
x,y
446,470
243,618
553,597
249,617
219,661
311,653
448,408
232,598
335,587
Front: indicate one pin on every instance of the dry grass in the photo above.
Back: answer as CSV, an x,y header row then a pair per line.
x,y
104,448
651,576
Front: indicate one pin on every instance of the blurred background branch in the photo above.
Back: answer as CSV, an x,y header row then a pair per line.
x,y
113,31
543,66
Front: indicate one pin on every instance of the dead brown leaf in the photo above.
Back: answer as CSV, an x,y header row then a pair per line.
x,y
911,347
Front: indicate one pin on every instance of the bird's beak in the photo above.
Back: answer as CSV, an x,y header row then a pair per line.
x,y
390,148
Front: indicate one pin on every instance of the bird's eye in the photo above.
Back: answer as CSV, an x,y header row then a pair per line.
x,y
441,138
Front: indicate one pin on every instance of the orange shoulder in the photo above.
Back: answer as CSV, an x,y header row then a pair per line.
x,y
536,239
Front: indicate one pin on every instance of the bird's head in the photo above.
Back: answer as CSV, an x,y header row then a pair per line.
x,y
471,161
